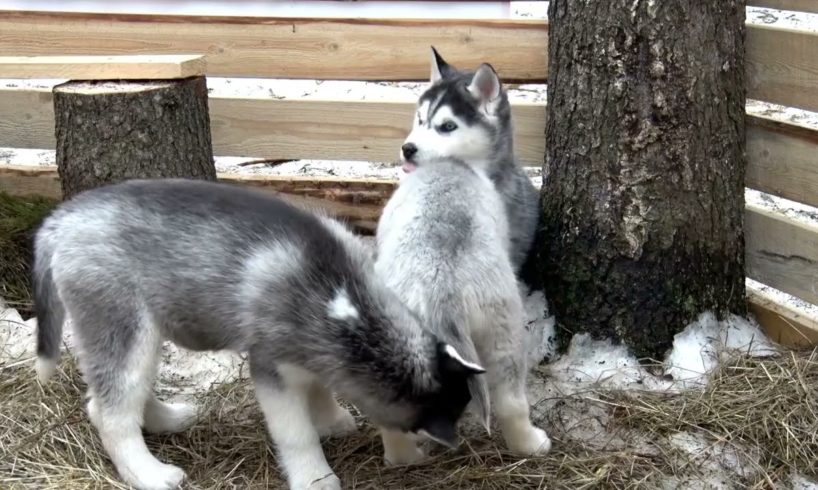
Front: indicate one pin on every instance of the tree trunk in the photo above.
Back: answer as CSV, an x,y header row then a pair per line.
x,y
643,193
112,131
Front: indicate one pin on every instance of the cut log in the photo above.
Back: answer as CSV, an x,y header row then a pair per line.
x,y
113,131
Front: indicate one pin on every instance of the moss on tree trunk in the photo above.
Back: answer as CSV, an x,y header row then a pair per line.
x,y
113,131
643,192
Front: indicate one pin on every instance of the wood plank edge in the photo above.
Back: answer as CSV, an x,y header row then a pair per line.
x,y
789,128
770,212
781,322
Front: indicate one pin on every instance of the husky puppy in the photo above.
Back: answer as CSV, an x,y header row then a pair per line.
x,y
443,247
211,266
466,116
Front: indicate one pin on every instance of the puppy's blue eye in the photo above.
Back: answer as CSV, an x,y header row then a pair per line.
x,y
447,127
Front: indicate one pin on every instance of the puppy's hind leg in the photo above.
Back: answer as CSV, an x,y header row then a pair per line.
x,y
507,372
284,398
120,353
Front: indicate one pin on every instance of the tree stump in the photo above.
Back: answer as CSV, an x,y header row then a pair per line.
x,y
111,131
643,192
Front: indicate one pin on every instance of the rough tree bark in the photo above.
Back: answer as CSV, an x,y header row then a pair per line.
x,y
643,192
117,130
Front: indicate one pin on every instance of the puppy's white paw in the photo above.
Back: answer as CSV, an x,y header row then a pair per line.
x,y
92,408
403,455
342,424
158,477
533,442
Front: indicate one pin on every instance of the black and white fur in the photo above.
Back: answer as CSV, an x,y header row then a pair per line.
x,y
443,242
466,115
210,266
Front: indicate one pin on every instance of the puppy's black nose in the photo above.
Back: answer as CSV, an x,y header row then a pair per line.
x,y
409,150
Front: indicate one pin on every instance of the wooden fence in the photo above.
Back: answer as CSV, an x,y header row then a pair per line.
x,y
782,67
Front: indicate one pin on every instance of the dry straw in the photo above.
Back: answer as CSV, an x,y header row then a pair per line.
x,y
765,407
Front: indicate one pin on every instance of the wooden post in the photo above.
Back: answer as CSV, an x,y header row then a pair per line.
x,y
110,131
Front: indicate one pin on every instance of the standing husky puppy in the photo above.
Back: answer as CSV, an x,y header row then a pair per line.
x,y
443,247
211,266
466,116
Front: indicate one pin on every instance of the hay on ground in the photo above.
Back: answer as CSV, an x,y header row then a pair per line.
x,y
765,406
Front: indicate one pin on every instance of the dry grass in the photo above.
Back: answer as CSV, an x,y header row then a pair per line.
x,y
19,218
46,440
768,407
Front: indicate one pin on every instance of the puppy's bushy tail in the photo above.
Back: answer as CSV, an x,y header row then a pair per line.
x,y
457,334
49,310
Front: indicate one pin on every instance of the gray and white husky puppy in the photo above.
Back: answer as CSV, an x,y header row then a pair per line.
x,y
443,242
466,115
211,266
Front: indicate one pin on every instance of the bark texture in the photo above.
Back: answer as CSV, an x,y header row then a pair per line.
x,y
643,194
110,131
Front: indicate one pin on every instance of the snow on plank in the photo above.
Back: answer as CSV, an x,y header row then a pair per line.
x,y
797,5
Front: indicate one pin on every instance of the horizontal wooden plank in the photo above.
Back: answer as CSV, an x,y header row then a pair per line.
x,y
279,128
796,5
781,156
782,252
783,323
319,48
782,159
133,67
782,66
358,201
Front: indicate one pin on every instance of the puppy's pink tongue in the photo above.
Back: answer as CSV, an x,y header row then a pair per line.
x,y
409,167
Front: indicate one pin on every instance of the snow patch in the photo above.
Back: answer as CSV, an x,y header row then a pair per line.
x,y
717,463
801,482
16,336
590,363
539,325
696,352
702,344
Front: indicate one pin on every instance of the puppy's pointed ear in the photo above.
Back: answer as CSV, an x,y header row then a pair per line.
x,y
485,85
440,69
453,362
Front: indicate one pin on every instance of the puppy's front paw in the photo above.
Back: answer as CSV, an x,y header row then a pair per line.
x,y
533,442
404,455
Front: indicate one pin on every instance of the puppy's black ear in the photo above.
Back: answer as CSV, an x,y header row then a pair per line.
x,y
440,69
453,368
